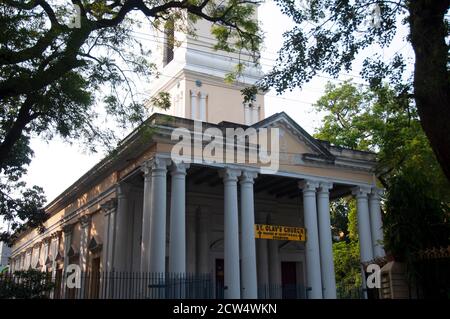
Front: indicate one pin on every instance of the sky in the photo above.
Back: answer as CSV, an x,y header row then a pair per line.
x,y
57,164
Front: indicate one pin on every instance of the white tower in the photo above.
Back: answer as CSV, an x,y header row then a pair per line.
x,y
193,73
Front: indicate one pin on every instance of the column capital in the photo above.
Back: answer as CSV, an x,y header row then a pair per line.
x,y
85,220
121,190
376,193
248,176
360,191
324,187
230,174
194,93
308,185
109,206
203,95
68,229
155,165
178,168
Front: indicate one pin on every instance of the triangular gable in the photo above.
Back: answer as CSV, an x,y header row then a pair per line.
x,y
94,245
282,120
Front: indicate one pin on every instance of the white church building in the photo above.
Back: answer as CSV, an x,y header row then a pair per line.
x,y
142,210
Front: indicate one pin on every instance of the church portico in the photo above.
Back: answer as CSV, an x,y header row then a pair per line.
x,y
203,220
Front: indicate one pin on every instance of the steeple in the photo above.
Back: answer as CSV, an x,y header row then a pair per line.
x,y
193,73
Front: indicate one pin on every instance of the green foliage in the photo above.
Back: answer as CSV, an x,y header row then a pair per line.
x,y
416,217
417,205
328,35
161,101
30,284
346,264
378,121
53,76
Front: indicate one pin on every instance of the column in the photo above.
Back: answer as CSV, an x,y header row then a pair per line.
x,y
146,212
263,263
325,241
203,241
313,271
247,114
109,209
85,222
194,107
67,231
55,251
255,113
275,270
121,229
202,107
248,250
376,222
231,234
177,242
46,243
365,237
158,215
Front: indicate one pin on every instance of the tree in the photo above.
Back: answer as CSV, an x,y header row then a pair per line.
x,y
417,203
329,34
55,72
25,284
376,121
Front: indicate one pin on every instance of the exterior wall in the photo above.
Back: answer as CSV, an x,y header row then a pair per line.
x,y
5,252
224,101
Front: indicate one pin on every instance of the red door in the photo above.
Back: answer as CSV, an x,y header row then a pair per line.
x,y
289,279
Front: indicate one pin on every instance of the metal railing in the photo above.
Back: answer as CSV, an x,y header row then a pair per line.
x,y
140,285
108,285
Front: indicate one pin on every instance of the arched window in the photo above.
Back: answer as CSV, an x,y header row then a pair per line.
x,y
169,39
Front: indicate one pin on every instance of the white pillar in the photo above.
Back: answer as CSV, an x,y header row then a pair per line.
x,y
55,253
146,213
262,264
194,107
203,241
365,237
255,114
275,270
247,114
177,242
85,222
158,215
121,230
248,250
313,269
231,234
202,116
109,209
376,222
326,244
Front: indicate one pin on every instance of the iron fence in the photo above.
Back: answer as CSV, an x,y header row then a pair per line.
x,y
139,285
109,285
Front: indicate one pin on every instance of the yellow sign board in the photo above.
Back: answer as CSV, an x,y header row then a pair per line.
x,y
279,232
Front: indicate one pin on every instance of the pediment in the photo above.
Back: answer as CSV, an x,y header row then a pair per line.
x,y
295,142
94,245
72,252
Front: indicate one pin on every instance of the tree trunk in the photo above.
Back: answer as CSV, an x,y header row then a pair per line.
x,y
431,77
15,132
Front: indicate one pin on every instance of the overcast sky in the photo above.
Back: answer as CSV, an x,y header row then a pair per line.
x,y
57,165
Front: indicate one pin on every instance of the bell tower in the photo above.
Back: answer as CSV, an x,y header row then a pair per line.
x,y
193,73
